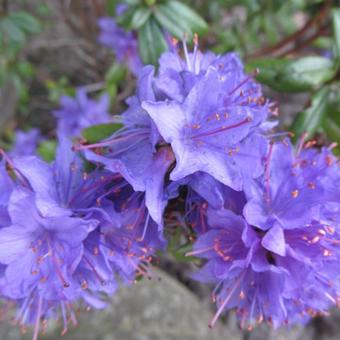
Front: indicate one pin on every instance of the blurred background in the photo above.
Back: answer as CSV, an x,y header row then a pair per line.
x,y
50,48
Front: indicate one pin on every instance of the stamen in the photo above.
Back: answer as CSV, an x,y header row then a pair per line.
x,y
226,300
146,224
254,73
63,313
267,173
101,280
37,321
199,251
222,129
57,267
10,163
186,54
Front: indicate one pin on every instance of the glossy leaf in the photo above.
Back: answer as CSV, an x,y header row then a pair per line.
x,y
169,21
99,132
311,119
307,73
299,75
336,29
11,32
140,17
187,15
151,42
269,70
47,150
26,22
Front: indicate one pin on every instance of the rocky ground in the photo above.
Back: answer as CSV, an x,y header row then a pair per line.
x,y
164,309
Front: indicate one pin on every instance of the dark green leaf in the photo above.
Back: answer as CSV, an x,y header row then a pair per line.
x,y
25,69
115,74
26,22
132,2
187,15
140,17
269,69
150,2
311,119
111,7
336,29
180,253
307,73
332,129
126,18
169,21
47,150
151,42
300,75
11,32
96,133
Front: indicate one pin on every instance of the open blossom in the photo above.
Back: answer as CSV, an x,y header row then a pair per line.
x,y
212,132
276,261
81,112
67,235
123,43
42,243
132,152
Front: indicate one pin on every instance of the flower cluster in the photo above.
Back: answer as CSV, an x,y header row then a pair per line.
x,y
68,235
265,214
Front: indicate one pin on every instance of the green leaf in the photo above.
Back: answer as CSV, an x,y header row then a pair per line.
x,y
140,17
96,133
332,129
180,253
115,74
169,21
125,19
26,22
12,33
186,15
151,42
25,69
132,2
311,119
47,150
269,69
307,73
111,7
150,2
336,29
300,75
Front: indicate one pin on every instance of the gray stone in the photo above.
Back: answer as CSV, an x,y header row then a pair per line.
x,y
149,310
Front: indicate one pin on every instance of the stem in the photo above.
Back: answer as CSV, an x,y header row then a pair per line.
x,y
315,21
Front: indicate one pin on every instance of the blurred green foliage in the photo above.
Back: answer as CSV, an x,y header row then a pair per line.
x,y
15,30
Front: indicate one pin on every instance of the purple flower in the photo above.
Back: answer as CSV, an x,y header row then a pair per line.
x,y
123,244
40,253
278,260
51,212
204,191
81,112
280,276
70,234
25,143
124,44
132,150
215,130
291,190
6,185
